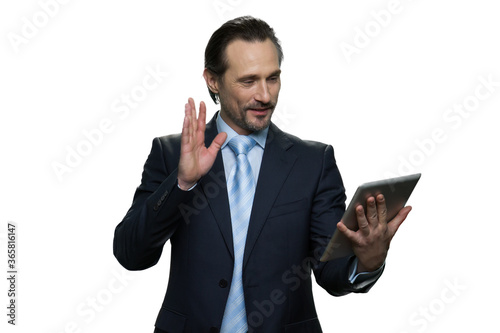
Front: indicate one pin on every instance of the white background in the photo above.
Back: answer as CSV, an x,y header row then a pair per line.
x,y
378,107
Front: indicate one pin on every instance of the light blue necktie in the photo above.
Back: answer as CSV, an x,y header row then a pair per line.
x,y
241,190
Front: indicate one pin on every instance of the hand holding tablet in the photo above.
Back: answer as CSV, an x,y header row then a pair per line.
x,y
371,220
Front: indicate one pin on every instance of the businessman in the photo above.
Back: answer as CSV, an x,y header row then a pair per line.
x,y
248,209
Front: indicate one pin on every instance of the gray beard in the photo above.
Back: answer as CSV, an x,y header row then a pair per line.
x,y
240,122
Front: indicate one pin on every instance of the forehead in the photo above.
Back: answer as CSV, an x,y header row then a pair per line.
x,y
245,58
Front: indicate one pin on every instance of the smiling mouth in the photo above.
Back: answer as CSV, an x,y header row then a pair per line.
x,y
260,112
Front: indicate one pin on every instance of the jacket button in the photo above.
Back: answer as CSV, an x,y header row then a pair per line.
x,y
214,330
223,283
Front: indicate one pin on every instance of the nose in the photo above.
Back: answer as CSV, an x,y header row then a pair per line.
x,y
262,95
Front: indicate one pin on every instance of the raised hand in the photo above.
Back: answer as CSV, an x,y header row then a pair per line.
x,y
371,242
196,159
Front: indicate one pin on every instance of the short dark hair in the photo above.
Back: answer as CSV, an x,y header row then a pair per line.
x,y
246,28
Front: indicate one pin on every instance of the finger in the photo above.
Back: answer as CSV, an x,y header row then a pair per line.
x,y
186,126
348,233
363,224
371,211
217,143
185,129
381,209
396,222
202,117
194,123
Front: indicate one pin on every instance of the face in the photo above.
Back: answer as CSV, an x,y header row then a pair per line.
x,y
249,89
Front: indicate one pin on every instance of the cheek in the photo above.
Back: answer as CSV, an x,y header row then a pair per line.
x,y
235,96
243,100
276,90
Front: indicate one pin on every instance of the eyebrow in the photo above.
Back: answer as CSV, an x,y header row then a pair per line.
x,y
253,76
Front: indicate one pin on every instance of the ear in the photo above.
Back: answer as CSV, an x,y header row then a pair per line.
x,y
211,80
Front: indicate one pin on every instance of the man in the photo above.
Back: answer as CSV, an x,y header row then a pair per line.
x,y
246,227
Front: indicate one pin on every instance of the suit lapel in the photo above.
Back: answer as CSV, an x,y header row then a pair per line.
x,y
275,167
214,187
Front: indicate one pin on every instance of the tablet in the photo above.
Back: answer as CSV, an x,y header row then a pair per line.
x,y
396,192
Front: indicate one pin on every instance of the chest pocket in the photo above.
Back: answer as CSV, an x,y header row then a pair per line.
x,y
288,208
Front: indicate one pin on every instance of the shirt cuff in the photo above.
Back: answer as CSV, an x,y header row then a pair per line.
x,y
189,189
363,279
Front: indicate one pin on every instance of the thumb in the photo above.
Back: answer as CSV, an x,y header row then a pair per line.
x,y
396,222
348,233
217,143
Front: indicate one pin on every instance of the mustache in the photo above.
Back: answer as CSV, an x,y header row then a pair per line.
x,y
261,106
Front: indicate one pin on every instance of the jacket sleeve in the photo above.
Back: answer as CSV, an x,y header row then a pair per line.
x,y
328,208
154,215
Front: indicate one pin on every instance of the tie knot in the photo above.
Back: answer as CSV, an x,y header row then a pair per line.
x,y
241,144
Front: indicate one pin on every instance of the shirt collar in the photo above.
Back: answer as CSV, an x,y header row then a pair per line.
x,y
259,136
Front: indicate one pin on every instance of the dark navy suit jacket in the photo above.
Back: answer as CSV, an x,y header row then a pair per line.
x,y
299,199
